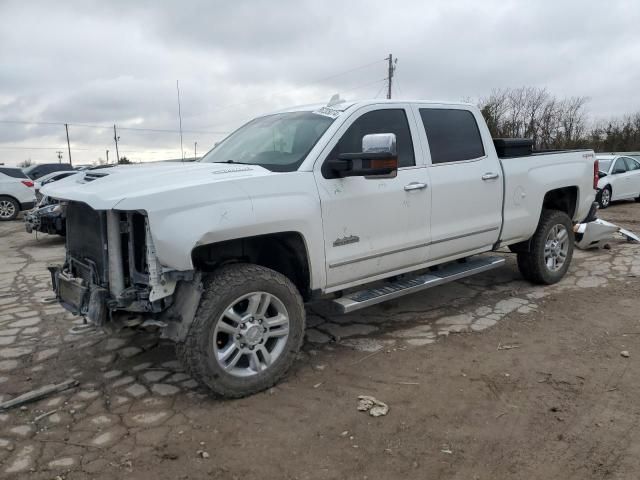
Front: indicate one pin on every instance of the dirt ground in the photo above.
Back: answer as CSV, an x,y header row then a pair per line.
x,y
486,378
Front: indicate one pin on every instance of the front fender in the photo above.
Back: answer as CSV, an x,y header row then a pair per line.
x,y
248,208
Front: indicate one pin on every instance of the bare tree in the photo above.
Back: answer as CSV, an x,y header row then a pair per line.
x,y
572,121
25,163
534,113
494,108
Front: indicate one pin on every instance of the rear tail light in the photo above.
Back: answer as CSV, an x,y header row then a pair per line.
x,y
27,183
596,175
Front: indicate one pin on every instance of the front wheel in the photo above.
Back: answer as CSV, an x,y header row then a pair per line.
x,y
247,331
551,249
605,197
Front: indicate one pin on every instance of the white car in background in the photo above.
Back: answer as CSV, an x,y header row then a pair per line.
x,y
50,178
16,193
619,179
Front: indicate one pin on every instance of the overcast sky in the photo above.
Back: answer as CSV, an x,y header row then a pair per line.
x,y
105,62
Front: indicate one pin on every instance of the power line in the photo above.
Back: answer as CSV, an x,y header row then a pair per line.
x,y
397,85
363,85
22,147
283,92
86,125
202,132
381,88
96,149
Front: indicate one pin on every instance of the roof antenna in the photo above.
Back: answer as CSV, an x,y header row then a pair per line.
x,y
335,100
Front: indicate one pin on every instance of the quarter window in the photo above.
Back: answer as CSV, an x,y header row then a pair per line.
x,y
453,135
379,121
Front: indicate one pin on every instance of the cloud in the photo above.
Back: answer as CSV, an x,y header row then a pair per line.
x,y
100,63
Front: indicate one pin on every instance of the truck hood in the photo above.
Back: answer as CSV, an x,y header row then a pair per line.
x,y
103,189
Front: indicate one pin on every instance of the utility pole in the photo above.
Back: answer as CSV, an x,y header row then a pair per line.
x,y
59,152
392,68
107,156
180,117
66,127
195,151
116,138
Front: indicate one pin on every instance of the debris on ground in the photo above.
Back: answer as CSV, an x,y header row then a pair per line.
x,y
507,347
624,353
203,454
44,415
38,393
599,233
375,407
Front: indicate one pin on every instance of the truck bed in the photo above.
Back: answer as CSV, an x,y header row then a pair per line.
x,y
528,177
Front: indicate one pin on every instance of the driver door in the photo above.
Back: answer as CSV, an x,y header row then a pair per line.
x,y
374,226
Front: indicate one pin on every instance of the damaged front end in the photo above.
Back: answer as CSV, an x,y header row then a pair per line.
x,y
112,275
47,217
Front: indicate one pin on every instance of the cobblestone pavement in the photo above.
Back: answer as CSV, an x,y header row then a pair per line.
x,y
133,395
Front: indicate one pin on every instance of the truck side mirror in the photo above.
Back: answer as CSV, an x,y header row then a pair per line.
x,y
378,157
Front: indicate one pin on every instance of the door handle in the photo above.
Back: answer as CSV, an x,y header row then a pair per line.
x,y
415,186
490,176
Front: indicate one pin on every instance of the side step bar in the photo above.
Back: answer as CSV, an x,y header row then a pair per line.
x,y
405,286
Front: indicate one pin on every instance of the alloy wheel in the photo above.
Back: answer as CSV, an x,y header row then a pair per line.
x,y
251,334
556,247
7,209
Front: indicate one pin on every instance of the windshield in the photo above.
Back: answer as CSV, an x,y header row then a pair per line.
x,y
277,142
603,165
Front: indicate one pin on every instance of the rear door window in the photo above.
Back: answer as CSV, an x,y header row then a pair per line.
x,y
631,164
453,135
13,172
619,166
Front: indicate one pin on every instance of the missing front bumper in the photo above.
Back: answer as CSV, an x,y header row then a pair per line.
x,y
79,298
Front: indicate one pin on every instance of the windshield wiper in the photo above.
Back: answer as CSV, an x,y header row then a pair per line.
x,y
234,161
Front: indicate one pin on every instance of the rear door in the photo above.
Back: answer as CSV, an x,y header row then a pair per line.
x,y
465,181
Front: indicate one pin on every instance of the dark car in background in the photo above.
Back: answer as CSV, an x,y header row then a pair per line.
x,y
40,169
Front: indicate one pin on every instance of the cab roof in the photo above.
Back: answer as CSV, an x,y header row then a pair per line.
x,y
344,105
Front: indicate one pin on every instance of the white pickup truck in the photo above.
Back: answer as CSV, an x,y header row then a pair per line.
x,y
354,203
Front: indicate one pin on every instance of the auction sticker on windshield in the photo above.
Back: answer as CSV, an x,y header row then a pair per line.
x,y
328,112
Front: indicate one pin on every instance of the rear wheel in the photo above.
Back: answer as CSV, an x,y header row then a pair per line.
x,y
551,249
9,208
605,197
247,331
